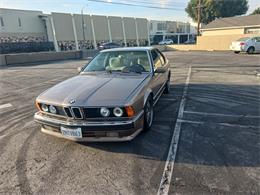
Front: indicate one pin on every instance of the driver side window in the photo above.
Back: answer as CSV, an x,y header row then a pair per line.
x,y
156,59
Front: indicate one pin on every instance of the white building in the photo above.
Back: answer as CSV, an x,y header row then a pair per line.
x,y
179,32
75,31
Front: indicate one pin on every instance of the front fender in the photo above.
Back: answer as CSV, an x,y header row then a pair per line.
x,y
147,94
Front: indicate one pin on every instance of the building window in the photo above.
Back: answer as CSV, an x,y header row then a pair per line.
x,y
1,22
151,26
19,22
161,26
252,30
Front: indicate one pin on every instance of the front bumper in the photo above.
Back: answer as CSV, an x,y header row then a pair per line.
x,y
105,131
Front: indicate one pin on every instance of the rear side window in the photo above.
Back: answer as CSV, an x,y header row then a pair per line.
x,y
162,58
243,39
257,39
156,59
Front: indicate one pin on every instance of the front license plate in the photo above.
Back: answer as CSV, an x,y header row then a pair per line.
x,y
71,132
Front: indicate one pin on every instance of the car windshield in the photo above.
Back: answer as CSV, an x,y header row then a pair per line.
x,y
121,61
243,39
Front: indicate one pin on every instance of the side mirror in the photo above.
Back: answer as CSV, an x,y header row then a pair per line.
x,y
79,69
160,70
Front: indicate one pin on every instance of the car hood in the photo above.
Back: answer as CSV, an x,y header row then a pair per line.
x,y
93,90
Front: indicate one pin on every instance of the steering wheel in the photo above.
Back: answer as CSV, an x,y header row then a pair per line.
x,y
135,68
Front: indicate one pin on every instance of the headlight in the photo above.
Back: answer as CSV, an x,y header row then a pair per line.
x,y
52,109
45,108
118,112
104,112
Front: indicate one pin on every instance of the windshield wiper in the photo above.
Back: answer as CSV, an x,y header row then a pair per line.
x,y
128,71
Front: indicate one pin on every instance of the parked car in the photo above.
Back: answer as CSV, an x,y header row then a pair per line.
x,y
246,44
109,45
111,99
166,42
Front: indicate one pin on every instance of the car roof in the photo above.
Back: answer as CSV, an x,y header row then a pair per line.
x,y
129,49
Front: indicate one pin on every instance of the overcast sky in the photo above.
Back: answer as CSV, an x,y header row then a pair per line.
x,y
90,7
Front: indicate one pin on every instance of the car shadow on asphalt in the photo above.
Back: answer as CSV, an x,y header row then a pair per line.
x,y
228,139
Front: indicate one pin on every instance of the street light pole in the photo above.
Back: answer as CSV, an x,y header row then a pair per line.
x,y
83,24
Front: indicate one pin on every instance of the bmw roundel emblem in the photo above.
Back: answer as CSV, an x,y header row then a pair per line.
x,y
72,101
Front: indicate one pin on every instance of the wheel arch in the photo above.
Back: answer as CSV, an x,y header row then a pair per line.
x,y
147,95
250,48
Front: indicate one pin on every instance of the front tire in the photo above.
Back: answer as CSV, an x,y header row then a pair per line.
x,y
148,114
167,87
236,52
251,50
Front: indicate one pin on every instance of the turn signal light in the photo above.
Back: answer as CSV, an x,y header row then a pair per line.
x,y
130,111
242,43
37,105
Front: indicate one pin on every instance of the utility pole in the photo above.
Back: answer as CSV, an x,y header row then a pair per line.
x,y
199,16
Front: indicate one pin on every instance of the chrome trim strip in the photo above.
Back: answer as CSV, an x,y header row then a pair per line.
x,y
39,118
95,139
159,94
56,115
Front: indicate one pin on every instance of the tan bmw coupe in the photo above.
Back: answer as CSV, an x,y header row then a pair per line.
x,y
111,99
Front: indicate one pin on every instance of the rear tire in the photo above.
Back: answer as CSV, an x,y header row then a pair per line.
x,y
251,50
236,52
148,114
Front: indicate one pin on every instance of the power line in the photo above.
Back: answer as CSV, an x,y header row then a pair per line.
x,y
136,5
157,4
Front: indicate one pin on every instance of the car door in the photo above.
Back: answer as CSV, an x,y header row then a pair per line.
x,y
257,44
158,78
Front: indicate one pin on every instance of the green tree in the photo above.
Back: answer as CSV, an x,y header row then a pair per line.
x,y
216,8
256,11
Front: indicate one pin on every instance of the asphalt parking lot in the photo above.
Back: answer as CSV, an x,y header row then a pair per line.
x,y
211,118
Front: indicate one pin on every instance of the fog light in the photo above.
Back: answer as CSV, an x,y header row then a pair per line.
x,y
118,112
45,108
53,110
104,112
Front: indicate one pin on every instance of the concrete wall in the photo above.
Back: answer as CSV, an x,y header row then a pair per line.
x,y
211,43
116,28
130,29
238,31
11,59
32,28
101,28
142,28
2,60
70,36
30,21
63,26
87,27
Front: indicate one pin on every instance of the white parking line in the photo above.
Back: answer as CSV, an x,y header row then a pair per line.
x,y
5,106
169,164
2,136
219,114
224,124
